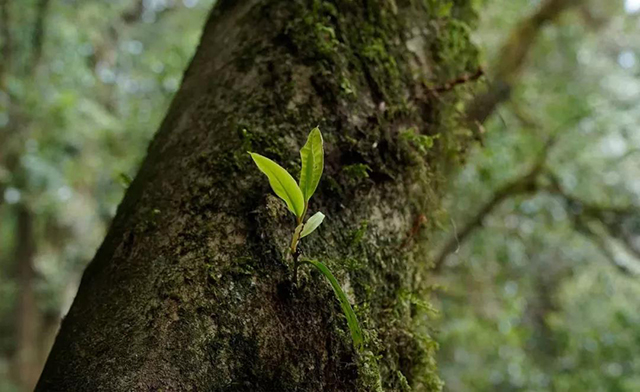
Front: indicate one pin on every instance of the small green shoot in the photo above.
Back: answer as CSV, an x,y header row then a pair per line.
x,y
296,197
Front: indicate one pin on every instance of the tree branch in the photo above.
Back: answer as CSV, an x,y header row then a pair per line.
x,y
7,43
522,185
37,38
583,227
526,184
600,214
512,57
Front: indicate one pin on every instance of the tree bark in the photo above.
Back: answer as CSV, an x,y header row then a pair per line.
x,y
192,288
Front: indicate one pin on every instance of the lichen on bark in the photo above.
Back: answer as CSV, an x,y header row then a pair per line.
x,y
192,290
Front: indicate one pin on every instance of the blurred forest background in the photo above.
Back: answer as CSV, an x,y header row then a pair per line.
x,y
536,284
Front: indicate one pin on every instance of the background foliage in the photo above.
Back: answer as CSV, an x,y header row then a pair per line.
x,y
540,293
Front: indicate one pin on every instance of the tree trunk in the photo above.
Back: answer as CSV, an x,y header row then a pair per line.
x,y
26,361
192,288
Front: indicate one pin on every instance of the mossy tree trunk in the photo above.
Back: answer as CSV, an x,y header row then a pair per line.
x,y
191,290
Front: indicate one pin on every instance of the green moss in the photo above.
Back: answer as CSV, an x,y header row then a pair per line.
x,y
355,52
369,372
347,88
402,380
356,172
357,235
422,143
352,264
455,45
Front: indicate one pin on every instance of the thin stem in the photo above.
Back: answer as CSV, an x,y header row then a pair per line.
x,y
296,263
295,253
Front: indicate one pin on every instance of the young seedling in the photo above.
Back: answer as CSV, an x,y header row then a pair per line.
x,y
296,197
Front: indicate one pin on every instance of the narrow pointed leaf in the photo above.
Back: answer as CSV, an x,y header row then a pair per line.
x,y
312,224
352,320
312,155
282,183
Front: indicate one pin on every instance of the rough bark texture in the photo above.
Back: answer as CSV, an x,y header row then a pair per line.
x,y
191,290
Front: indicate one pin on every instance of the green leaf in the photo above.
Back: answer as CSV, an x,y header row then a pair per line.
x,y
352,320
312,155
282,183
312,224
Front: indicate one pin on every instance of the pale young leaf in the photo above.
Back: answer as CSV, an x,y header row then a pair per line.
x,y
312,224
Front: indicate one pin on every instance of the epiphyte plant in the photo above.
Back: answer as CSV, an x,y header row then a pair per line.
x,y
296,197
